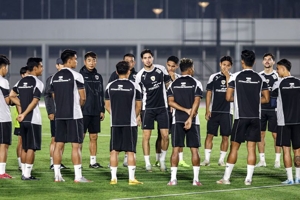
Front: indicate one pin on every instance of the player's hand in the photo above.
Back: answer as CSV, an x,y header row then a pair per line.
x,y
225,72
207,115
20,117
188,123
51,117
102,116
138,120
188,111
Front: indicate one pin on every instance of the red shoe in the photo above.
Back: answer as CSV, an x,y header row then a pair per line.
x,y
5,176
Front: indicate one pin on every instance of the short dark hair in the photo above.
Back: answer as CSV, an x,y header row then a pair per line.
x,y
129,55
286,63
269,54
23,70
90,54
146,51
248,57
67,54
185,64
122,67
4,60
33,62
174,59
226,58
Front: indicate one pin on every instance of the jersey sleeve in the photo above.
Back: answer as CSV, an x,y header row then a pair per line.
x,y
38,89
199,89
210,85
106,93
138,92
170,90
274,93
231,82
265,85
4,88
15,88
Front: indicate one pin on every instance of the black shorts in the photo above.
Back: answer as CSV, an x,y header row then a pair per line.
x,y
224,120
271,118
287,135
246,130
91,124
170,124
161,115
192,136
5,133
31,136
52,128
70,130
17,131
123,138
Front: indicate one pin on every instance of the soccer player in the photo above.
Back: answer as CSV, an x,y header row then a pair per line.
x,y
130,58
5,117
286,91
250,90
123,102
268,114
93,109
153,80
50,107
68,90
23,73
184,95
171,65
218,111
29,90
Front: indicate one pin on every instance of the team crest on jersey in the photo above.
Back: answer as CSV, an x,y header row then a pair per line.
x,y
96,77
152,78
158,71
274,76
267,80
223,82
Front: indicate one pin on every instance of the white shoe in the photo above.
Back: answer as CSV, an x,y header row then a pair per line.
x,y
248,182
59,179
222,181
172,183
221,163
277,164
261,164
148,168
205,163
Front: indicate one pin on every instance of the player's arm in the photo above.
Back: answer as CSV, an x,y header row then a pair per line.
x,y
265,98
194,111
138,107
229,94
82,96
107,105
29,108
14,98
208,101
175,105
49,101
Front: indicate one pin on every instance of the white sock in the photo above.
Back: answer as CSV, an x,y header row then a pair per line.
x,y
28,168
57,171
2,168
289,173
196,170
262,157
173,173
113,172
222,156
250,170
92,160
147,160
277,157
78,172
51,161
125,158
19,162
23,168
157,156
297,169
131,172
228,170
207,154
163,155
180,156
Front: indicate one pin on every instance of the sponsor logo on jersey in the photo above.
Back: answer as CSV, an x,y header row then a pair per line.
x,y
25,85
120,88
248,80
61,79
158,71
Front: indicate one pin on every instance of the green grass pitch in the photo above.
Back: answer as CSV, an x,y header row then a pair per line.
x,y
266,181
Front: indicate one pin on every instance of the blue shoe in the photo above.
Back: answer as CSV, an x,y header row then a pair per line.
x,y
297,181
288,182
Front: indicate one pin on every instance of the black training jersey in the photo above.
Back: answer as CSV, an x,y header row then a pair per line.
x,y
218,87
153,87
122,94
248,85
49,102
184,90
5,115
28,88
65,85
287,92
114,76
271,79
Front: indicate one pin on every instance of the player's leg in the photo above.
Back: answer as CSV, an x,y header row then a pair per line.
x,y
19,147
5,138
277,151
94,129
272,127
57,158
181,162
113,166
162,117
296,150
147,126
225,130
174,166
157,147
207,150
52,142
261,144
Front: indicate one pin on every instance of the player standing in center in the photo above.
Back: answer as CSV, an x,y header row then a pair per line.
x,y
153,80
